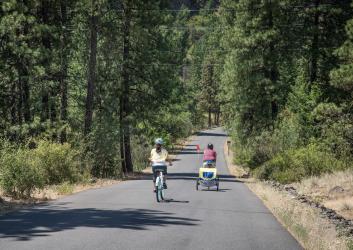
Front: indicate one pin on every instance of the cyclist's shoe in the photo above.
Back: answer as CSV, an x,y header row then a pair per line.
x,y
165,186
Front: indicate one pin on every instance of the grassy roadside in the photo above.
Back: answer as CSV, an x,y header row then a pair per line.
x,y
334,191
304,222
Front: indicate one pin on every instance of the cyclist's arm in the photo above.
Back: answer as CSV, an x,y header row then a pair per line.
x,y
150,159
169,160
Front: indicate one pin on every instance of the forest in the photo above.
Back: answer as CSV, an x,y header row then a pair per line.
x,y
86,85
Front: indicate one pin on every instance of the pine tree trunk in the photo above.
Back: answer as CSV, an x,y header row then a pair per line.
x,y
91,73
63,74
23,105
52,106
215,117
26,101
13,104
273,72
209,117
46,44
125,147
315,45
45,106
19,103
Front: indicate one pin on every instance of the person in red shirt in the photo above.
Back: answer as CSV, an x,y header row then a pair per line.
x,y
209,155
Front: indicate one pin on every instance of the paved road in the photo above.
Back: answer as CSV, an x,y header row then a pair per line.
x,y
126,215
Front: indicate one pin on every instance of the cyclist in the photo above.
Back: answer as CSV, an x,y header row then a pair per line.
x,y
159,156
209,155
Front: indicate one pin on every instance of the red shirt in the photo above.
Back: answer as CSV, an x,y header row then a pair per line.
x,y
209,155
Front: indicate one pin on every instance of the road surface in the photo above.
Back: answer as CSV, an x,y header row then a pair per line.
x,y
127,216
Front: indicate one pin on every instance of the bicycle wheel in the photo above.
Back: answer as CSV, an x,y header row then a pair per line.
x,y
158,194
162,193
159,189
197,184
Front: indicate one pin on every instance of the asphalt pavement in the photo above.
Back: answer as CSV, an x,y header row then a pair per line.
x,y
127,216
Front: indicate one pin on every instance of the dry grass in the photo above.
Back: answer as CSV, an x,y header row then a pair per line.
x,y
335,191
235,170
304,222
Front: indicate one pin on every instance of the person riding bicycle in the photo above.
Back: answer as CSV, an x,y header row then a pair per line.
x,y
159,156
209,155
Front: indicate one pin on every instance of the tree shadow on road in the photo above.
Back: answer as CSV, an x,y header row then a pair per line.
x,y
174,201
212,189
189,151
45,220
194,176
211,134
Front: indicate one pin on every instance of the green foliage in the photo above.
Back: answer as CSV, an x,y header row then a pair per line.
x,y
101,149
334,130
342,77
277,92
177,126
296,164
19,174
26,168
58,162
141,149
65,188
262,148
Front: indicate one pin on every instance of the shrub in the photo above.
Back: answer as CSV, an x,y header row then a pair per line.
x,y
140,151
24,169
101,149
19,175
65,188
334,130
177,125
295,164
261,148
58,162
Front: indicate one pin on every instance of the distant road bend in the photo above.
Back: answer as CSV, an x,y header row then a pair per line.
x,y
126,215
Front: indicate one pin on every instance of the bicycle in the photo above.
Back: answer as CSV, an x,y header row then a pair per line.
x,y
159,186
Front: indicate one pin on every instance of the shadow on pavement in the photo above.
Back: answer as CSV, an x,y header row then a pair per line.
x,y
194,176
212,189
190,152
45,220
211,134
175,201
189,176
186,151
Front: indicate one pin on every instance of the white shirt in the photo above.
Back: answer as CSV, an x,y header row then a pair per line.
x,y
159,158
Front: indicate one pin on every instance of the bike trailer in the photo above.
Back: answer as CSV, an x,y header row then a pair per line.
x,y
207,173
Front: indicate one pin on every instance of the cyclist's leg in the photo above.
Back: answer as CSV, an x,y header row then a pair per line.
x,y
154,178
165,174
